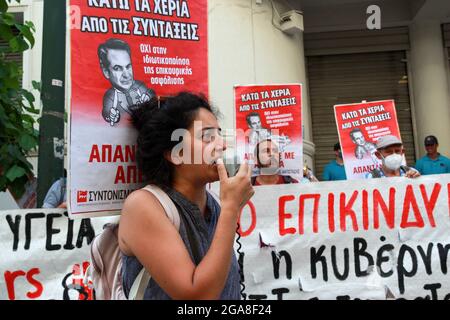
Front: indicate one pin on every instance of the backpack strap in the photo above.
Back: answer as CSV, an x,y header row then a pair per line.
x,y
137,290
104,275
167,203
140,283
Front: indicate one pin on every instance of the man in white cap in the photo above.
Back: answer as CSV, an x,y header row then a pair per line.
x,y
390,151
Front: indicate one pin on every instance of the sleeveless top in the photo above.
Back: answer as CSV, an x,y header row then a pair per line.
x,y
202,232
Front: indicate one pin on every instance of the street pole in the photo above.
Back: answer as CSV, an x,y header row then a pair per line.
x,y
51,140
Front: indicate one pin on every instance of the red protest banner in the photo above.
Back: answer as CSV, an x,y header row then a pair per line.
x,y
271,112
360,125
124,53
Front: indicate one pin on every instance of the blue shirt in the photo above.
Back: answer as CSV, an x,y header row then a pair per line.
x,y
426,165
56,195
334,171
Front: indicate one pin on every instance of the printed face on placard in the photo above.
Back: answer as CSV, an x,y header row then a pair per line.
x,y
119,70
358,138
255,122
268,154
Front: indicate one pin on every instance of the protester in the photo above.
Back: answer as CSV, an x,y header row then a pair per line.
x,y
335,170
433,162
268,158
390,151
57,196
198,262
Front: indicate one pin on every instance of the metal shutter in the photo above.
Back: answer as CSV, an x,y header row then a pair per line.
x,y
356,41
446,32
352,78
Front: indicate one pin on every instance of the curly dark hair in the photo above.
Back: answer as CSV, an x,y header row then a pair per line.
x,y
155,121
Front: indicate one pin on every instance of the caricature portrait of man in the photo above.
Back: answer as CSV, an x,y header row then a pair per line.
x,y
116,65
258,133
363,148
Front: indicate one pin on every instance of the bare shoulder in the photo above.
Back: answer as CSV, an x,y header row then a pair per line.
x,y
141,208
137,199
141,205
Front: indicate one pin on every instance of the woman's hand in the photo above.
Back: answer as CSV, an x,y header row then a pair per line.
x,y
235,191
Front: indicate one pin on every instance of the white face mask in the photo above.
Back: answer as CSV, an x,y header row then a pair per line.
x,y
393,162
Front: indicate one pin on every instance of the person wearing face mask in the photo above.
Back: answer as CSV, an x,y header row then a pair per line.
x,y
335,170
390,151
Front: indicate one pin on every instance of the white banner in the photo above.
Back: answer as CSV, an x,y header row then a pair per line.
x,y
372,239
44,255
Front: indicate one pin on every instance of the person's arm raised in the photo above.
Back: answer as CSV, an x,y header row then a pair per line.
x,y
147,233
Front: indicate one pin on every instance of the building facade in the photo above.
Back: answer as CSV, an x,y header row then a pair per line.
x,y
339,60
327,46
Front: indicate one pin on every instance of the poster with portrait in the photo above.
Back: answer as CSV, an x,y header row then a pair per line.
x,y
269,129
124,53
360,125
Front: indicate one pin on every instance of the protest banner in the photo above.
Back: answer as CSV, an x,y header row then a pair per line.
x,y
124,53
360,125
372,239
270,112
44,255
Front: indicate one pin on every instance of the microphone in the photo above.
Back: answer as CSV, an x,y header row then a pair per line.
x,y
232,165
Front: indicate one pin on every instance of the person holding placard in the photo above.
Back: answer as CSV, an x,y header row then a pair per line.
x,y
390,151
